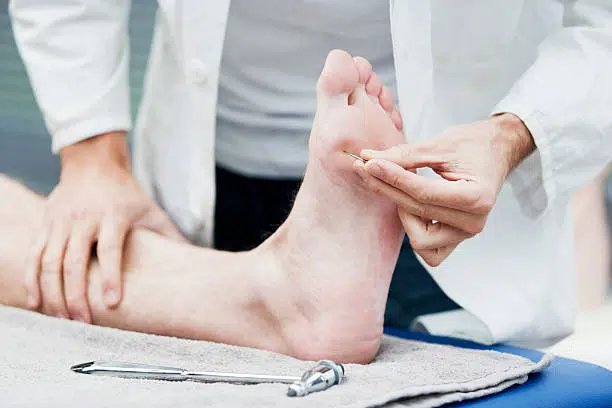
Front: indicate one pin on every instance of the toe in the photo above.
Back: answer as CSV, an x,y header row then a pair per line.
x,y
365,69
359,95
340,75
374,86
385,99
396,117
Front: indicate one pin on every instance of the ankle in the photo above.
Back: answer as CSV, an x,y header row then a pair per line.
x,y
312,323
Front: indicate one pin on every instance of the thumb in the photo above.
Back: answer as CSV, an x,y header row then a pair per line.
x,y
407,156
158,221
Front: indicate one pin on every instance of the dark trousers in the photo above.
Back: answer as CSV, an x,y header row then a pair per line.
x,y
249,209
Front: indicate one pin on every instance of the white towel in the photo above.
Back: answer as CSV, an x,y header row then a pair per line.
x,y
37,352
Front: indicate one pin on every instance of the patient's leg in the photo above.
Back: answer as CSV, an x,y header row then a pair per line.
x,y
170,289
315,289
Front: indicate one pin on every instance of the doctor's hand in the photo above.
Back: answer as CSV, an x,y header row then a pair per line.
x,y
473,161
96,200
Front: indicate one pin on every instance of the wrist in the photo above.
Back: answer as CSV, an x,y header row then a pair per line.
x,y
107,149
514,138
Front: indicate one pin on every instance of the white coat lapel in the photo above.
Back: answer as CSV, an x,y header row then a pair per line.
x,y
411,35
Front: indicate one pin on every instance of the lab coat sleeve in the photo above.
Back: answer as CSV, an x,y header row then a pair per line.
x,y
565,100
76,53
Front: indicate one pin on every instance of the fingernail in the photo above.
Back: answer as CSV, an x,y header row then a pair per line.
x,y
111,297
368,153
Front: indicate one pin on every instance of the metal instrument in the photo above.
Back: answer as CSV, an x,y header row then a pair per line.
x,y
323,375
153,372
354,156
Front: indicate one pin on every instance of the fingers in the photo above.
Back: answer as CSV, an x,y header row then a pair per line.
x,y
470,223
434,242
407,156
110,255
434,257
461,195
32,271
51,272
426,235
76,263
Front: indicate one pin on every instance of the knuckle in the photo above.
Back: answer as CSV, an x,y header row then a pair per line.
x,y
483,201
423,195
107,247
476,226
373,186
396,180
418,243
77,215
74,266
423,212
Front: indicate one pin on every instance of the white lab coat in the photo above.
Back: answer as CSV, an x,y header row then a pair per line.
x,y
547,61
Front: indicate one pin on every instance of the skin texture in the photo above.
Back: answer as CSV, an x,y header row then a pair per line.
x,y
315,289
96,200
473,161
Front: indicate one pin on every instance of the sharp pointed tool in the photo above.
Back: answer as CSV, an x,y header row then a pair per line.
x,y
154,372
354,156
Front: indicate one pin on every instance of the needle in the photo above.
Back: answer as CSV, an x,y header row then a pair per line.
x,y
354,156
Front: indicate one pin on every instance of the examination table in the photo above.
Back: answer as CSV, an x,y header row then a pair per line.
x,y
565,384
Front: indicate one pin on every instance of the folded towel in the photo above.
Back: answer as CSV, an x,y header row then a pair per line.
x,y
37,352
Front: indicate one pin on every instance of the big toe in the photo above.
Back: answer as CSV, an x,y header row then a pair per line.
x,y
340,76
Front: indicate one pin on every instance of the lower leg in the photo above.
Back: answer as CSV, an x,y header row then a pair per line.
x,y
170,288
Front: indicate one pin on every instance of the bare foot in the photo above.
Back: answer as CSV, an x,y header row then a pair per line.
x,y
337,250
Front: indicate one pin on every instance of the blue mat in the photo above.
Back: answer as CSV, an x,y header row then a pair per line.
x,y
565,384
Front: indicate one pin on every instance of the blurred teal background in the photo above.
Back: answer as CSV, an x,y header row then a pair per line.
x,y
24,141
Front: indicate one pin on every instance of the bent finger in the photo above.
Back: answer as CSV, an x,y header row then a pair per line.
x,y
32,270
407,156
471,223
110,255
76,263
434,257
51,280
459,194
428,235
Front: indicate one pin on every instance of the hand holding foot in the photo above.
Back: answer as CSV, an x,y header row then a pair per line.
x,y
473,160
96,200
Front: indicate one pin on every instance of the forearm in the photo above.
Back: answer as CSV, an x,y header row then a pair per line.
x,y
76,53
513,139
564,99
109,148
